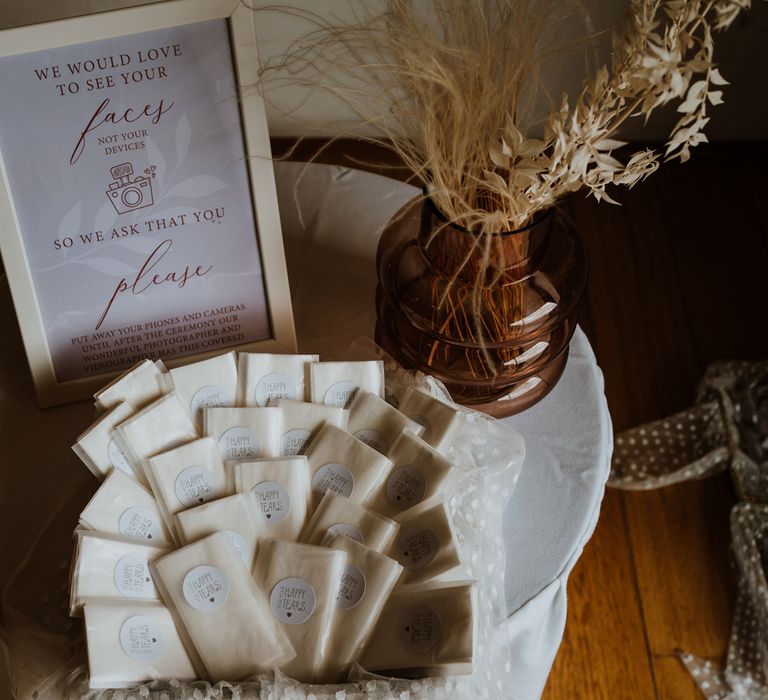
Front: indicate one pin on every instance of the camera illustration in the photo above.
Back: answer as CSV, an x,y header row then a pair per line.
x,y
128,194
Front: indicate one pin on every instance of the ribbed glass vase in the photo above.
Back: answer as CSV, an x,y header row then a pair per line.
x,y
489,314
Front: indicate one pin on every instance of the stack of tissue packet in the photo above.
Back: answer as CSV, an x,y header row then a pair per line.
x,y
261,512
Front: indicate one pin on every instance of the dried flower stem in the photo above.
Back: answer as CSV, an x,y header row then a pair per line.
x,y
454,82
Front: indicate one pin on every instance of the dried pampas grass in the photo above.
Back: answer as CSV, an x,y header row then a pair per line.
x,y
455,83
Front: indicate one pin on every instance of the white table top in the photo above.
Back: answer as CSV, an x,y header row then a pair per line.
x,y
568,438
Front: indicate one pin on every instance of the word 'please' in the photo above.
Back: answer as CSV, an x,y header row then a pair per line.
x,y
146,277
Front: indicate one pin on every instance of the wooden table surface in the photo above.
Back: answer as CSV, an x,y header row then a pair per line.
x,y
678,279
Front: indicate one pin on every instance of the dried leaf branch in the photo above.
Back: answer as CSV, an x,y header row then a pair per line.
x,y
454,81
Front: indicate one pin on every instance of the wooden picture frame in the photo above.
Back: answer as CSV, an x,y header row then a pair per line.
x,y
54,387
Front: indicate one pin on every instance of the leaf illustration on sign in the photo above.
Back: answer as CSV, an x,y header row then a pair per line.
x,y
197,186
183,138
108,266
105,218
71,221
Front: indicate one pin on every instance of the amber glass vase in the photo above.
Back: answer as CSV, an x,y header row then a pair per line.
x,y
490,315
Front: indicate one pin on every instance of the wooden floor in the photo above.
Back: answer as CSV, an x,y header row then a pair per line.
x,y
678,279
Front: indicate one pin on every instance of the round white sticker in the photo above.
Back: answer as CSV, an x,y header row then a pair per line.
x,y
132,577
347,530
205,588
292,601
372,438
240,545
420,629
209,397
340,393
417,547
333,477
140,523
351,589
239,443
406,487
196,485
294,441
119,459
272,501
140,638
275,386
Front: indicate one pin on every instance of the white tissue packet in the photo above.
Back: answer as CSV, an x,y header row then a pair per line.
x,y
441,421
132,643
266,377
341,463
334,383
107,567
124,508
301,582
244,433
160,426
424,630
231,516
419,472
97,447
426,543
139,386
205,384
301,421
337,515
186,476
366,584
279,493
220,611
377,423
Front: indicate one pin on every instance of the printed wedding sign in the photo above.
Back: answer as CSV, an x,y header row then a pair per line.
x,y
128,172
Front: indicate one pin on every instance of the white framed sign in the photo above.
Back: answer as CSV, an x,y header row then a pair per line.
x,y
138,211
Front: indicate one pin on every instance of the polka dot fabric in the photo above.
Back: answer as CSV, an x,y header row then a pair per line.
x,y
727,429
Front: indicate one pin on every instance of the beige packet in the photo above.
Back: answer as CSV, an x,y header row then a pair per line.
x,y
366,584
130,643
338,515
425,630
265,377
426,543
231,516
279,493
377,423
124,508
341,463
301,582
441,421
186,476
97,447
302,420
162,425
244,433
220,611
139,386
207,383
107,567
334,383
419,472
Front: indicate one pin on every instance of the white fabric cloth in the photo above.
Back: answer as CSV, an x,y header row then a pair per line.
x,y
331,241
553,509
